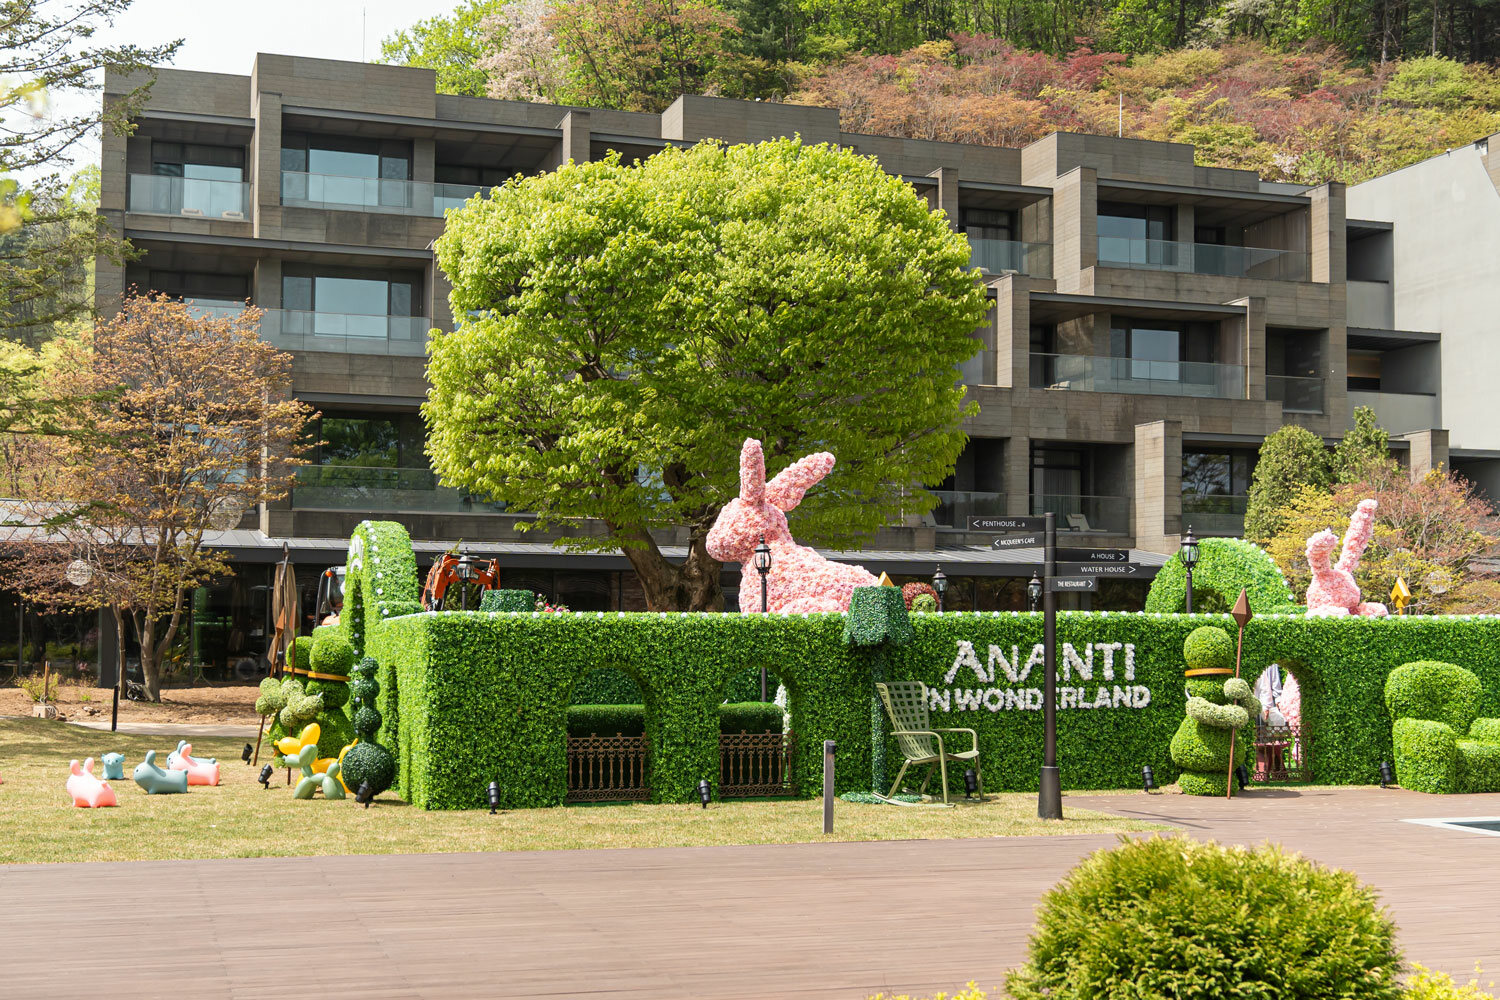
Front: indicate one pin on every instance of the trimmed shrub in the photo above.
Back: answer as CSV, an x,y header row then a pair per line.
x,y
368,762
630,720
1291,457
923,604
1225,566
911,591
1428,985
1430,689
1172,917
1487,730
332,654
1426,756
1208,648
1478,766
507,600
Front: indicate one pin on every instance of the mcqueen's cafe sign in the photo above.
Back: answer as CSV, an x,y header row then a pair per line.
x,y
1103,671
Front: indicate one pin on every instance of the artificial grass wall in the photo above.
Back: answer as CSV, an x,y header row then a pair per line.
x,y
474,697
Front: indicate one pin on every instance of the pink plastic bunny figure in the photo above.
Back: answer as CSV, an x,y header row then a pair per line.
x,y
800,579
87,791
1333,591
199,772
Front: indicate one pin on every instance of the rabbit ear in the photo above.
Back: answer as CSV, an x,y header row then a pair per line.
x,y
73,767
789,486
752,473
88,764
185,749
151,758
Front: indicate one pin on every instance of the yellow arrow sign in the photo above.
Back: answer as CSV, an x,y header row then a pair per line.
x,y
1400,594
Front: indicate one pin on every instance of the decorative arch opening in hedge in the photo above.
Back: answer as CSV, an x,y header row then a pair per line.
x,y
1225,566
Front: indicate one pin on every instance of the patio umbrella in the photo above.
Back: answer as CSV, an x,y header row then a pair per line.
x,y
285,604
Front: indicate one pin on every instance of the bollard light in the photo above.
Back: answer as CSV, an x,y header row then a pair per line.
x,y
365,794
1148,778
971,783
494,794
1242,775
265,776
704,792
246,752
1387,778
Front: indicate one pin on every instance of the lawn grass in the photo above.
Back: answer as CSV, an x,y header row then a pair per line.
x,y
239,819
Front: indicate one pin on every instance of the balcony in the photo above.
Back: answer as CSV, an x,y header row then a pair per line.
x,y
1214,514
1296,394
379,489
346,333
1203,258
955,507
372,194
999,256
1400,412
1106,515
156,194
1369,306
1084,373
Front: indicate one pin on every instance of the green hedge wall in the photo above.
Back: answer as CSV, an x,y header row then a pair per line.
x,y
630,720
479,696
1225,565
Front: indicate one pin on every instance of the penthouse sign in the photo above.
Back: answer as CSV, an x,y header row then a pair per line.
x,y
1104,672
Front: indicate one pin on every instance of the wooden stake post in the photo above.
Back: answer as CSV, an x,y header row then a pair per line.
x,y
1241,614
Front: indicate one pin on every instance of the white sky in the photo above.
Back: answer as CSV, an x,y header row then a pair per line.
x,y
223,36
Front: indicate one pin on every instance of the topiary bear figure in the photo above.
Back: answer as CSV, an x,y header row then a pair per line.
x,y
367,761
317,692
1216,707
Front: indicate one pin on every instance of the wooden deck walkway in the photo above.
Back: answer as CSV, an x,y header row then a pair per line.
x,y
803,921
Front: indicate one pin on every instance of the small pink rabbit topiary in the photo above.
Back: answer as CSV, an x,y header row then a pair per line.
x,y
1333,592
800,580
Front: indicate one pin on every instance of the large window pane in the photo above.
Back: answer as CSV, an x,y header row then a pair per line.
x,y
360,442
364,296
343,163
1154,354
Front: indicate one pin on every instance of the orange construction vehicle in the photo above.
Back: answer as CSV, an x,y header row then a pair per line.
x,y
452,569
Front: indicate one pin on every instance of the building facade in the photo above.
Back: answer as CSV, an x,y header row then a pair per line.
x,y
1152,319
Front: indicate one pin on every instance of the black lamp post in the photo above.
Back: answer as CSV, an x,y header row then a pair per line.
x,y
763,567
465,571
1188,553
1034,591
940,584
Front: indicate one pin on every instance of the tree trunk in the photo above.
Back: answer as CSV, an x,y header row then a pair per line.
x,y
691,586
145,631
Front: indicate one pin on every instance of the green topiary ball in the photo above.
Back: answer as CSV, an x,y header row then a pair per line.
x,y
1173,917
1208,647
366,667
369,762
364,691
923,604
367,722
332,654
335,694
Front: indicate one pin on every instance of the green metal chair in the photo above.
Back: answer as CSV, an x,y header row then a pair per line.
x,y
906,704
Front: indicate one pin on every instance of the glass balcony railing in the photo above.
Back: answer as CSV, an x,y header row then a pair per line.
x,y
1218,514
373,194
353,487
1085,373
1110,515
1203,258
1296,394
955,507
346,333
997,256
155,194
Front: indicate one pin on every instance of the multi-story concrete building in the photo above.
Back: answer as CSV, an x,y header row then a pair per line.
x,y
1153,319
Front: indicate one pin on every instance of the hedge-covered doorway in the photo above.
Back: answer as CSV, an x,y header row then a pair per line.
x,y
608,755
757,741
1283,742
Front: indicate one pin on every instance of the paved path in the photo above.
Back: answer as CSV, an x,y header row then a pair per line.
x,y
185,730
804,921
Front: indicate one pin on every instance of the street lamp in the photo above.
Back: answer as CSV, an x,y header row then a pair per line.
x,y
940,584
1188,553
763,567
465,573
1034,591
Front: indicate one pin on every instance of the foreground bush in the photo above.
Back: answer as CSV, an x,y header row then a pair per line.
x,y
1428,985
1175,918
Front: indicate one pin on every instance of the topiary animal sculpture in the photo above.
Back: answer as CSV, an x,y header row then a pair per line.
x,y
1333,591
800,580
367,762
316,692
1216,707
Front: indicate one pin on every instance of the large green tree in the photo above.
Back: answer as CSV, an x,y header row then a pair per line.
x,y
450,45
1291,458
625,328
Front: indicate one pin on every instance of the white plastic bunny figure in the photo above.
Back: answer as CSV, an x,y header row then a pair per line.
x,y
800,579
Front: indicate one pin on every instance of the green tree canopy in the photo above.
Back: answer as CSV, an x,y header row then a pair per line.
x,y
625,328
1364,453
1291,458
451,45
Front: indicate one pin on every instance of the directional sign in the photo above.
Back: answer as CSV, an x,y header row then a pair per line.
x,y
1098,569
1093,555
1072,584
1007,523
1019,541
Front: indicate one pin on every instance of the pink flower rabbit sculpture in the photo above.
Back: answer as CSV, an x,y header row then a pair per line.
x,y
1333,592
87,791
800,580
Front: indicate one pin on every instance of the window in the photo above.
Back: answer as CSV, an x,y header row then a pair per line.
x,y
1057,472
343,170
360,441
1164,350
1364,371
1217,473
212,177
988,223
203,289
475,177
351,294
1210,235
1135,222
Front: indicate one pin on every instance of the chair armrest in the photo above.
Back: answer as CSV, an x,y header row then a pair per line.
x,y
936,734
972,735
